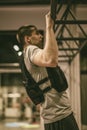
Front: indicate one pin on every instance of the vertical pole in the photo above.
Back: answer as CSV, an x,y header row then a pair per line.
x,y
53,9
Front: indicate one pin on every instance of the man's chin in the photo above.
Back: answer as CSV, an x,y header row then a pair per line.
x,y
40,45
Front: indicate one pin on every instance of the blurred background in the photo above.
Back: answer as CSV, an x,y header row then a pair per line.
x,y
16,109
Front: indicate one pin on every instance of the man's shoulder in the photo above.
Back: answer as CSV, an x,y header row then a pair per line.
x,y
32,50
32,47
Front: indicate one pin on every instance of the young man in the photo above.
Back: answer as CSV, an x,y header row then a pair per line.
x,y
56,109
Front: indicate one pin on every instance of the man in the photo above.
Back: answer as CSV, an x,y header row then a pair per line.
x,y
56,109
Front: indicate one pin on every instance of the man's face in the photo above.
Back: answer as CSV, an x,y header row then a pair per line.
x,y
36,38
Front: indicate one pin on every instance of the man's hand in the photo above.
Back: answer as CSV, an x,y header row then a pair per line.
x,y
49,21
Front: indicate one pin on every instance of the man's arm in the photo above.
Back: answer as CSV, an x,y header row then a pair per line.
x,y
48,56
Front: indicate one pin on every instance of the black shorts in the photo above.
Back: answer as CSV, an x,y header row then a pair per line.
x,y
68,123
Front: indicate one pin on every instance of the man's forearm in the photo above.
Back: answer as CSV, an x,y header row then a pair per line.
x,y
51,47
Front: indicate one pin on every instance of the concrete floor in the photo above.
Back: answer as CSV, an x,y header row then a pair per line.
x,y
13,124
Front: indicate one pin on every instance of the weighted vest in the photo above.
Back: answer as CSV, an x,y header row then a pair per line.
x,y
35,93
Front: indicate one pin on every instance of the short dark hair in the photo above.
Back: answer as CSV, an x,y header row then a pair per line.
x,y
23,31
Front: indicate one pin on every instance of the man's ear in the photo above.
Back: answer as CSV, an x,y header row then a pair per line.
x,y
27,39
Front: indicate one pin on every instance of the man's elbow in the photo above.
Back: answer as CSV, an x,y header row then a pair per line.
x,y
53,63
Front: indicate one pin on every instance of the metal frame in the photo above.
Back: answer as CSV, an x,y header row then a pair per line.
x,y
69,46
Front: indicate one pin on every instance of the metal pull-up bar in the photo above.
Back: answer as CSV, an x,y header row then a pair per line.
x,y
53,9
62,25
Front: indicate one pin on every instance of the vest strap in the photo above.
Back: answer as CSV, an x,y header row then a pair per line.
x,y
47,89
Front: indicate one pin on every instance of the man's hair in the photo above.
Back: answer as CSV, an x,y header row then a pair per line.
x,y
24,31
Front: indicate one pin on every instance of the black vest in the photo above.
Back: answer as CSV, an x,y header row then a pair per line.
x,y
56,77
